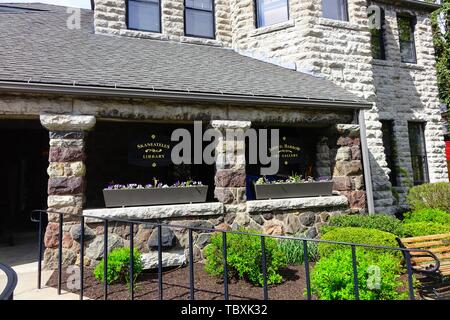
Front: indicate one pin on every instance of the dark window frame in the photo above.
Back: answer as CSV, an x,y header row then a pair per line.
x,y
202,10
256,16
138,29
426,172
391,156
381,37
347,15
412,24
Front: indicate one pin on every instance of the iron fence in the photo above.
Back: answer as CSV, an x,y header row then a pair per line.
x,y
11,282
265,293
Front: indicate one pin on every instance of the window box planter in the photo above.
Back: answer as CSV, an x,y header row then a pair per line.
x,y
293,190
154,196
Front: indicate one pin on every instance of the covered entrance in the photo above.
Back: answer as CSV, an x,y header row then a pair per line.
x,y
23,176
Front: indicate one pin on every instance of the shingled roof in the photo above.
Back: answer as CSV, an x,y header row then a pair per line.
x,y
37,47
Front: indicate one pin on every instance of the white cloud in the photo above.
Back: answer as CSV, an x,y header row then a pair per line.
x,y
69,3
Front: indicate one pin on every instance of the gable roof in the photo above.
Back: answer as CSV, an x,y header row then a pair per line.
x,y
39,51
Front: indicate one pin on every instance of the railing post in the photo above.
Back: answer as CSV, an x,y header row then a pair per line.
x,y
191,265
410,276
306,262
132,260
264,267
225,267
355,273
40,251
105,259
160,276
82,258
60,251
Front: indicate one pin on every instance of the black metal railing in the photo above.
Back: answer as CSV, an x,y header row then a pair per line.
x,y
11,282
405,251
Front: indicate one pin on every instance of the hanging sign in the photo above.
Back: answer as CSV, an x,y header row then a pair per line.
x,y
152,150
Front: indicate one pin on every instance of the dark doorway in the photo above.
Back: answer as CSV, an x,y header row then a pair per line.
x,y
23,187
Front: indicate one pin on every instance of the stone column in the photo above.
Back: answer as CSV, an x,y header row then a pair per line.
x,y
66,181
348,170
230,178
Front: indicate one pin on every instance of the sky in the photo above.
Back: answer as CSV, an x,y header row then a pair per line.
x,y
70,3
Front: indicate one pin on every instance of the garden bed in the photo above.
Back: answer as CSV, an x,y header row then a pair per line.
x,y
176,286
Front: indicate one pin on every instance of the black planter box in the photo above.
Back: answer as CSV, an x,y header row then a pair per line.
x,y
155,196
293,190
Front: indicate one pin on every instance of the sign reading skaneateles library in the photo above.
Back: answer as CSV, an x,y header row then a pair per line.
x,y
152,150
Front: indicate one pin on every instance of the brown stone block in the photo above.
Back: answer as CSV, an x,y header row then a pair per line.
x,y
356,199
230,178
65,185
348,168
342,183
347,141
356,152
51,235
59,154
229,195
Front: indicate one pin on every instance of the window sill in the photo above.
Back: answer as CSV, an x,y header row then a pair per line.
x,y
204,41
143,34
404,65
339,24
273,28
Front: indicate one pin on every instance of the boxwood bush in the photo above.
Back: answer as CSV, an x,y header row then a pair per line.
x,y
381,222
358,235
244,257
119,266
427,215
416,229
332,277
430,195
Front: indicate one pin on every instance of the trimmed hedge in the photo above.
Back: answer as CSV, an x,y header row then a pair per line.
x,y
416,229
428,215
430,195
381,222
358,235
332,277
119,266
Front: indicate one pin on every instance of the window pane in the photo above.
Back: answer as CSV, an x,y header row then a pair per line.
x,y
406,39
418,154
389,150
335,9
407,52
270,12
376,43
199,23
200,4
144,15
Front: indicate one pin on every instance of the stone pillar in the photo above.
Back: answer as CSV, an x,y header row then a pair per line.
x,y
66,180
230,178
348,169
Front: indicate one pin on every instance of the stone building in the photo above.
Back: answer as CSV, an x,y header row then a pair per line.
x,y
78,86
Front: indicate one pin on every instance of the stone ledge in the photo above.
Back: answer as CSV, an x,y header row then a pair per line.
x,y
340,24
64,122
397,64
273,28
158,212
257,206
202,41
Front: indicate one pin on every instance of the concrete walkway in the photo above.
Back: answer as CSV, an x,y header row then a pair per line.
x,y
23,259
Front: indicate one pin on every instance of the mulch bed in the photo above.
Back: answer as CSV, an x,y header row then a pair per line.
x,y
176,286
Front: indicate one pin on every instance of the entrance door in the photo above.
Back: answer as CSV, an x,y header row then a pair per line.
x,y
23,176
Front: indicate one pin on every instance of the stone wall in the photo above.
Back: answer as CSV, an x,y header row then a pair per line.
x,y
408,92
110,18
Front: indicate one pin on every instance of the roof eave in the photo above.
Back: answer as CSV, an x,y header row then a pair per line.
x,y
414,4
94,91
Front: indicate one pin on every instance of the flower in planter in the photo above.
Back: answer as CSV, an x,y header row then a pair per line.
x,y
294,178
156,184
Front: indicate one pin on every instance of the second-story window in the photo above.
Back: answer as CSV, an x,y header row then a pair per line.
x,y
199,18
335,9
406,38
144,15
377,39
269,12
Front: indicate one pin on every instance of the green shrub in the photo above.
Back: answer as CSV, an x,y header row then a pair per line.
x,y
332,277
430,195
428,215
293,251
417,229
244,257
381,222
358,235
119,266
